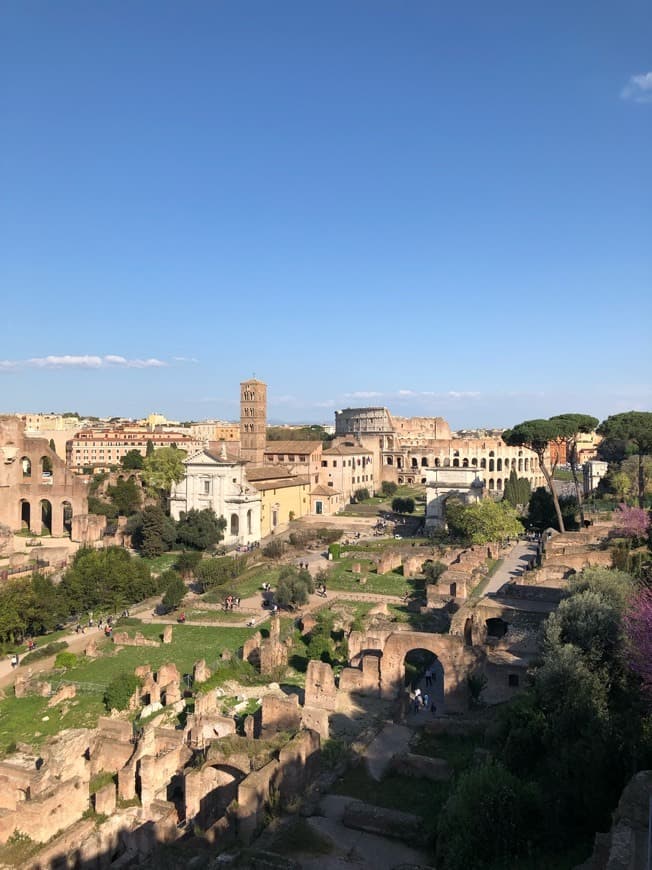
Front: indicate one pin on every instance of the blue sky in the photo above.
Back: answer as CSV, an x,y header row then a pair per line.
x,y
444,208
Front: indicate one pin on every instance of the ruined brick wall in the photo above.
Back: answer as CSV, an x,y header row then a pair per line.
x,y
280,714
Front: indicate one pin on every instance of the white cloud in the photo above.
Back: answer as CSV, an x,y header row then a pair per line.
x,y
638,89
71,361
363,394
185,359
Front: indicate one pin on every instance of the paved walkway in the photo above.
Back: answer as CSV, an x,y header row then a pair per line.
x,y
513,566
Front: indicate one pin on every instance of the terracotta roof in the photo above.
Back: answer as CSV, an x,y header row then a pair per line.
x,y
298,480
295,447
267,472
319,489
346,450
217,456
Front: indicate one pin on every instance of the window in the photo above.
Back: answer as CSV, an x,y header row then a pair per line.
x,y
324,463
335,463
206,487
290,457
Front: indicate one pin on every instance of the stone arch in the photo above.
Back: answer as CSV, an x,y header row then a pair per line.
x,y
410,480
520,465
465,463
390,460
235,525
456,462
414,462
499,465
437,462
400,480
447,462
26,464
46,515
424,480
527,464
456,660
45,464
474,462
66,516
499,484
491,465
249,522
468,631
424,462
491,484
399,462
25,513
483,463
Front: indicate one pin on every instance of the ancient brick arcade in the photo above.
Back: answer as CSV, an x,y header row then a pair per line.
x,y
37,491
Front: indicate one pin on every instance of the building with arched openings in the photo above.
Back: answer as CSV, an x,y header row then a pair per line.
x,y
404,447
37,491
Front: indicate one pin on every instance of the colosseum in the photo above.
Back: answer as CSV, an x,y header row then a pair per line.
x,y
404,446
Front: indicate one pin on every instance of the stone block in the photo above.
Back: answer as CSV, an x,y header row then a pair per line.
x,y
64,694
315,719
320,686
167,634
200,672
105,800
280,713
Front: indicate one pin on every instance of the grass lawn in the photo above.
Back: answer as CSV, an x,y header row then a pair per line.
x,y
234,616
380,544
189,643
494,565
341,578
396,792
21,719
246,585
161,563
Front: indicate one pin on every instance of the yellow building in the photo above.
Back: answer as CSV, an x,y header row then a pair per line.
x,y
284,496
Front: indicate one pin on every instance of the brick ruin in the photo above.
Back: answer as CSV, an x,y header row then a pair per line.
x,y
37,489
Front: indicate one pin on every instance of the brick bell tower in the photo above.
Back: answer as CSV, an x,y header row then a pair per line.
x,y
253,420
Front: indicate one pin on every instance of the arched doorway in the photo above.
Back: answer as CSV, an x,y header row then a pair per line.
x,y
25,514
27,466
235,525
66,511
455,658
424,671
46,516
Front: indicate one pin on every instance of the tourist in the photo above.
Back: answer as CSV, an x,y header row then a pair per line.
x,y
14,660
418,700
426,701
429,677
433,707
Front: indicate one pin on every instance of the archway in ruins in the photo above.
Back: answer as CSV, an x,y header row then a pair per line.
x,y
419,664
25,514
66,510
46,516
456,660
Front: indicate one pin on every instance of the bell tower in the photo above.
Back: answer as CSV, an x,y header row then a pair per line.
x,y
253,420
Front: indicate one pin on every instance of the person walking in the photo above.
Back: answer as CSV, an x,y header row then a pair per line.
x,y
429,677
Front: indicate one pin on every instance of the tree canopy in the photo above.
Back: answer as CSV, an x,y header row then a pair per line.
x,y
574,425
132,460
537,435
200,529
162,468
482,522
634,428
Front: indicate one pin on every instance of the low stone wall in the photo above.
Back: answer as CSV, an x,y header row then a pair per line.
x,y
422,767
385,823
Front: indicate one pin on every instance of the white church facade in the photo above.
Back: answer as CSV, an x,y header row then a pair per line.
x,y
214,481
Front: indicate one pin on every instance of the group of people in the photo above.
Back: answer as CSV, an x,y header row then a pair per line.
x,y
423,701
231,602
321,590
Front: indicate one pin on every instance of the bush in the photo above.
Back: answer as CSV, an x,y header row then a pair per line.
x,y
329,536
334,751
44,652
293,587
334,551
403,505
119,691
175,590
388,488
432,571
65,660
299,539
274,550
361,494
488,818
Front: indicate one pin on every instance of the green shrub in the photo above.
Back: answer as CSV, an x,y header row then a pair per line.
x,y
65,660
329,536
119,691
335,551
334,751
274,550
388,488
361,494
44,652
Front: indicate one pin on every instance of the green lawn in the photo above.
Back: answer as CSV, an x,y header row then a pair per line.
x,y
161,563
232,616
21,719
245,586
189,643
396,792
341,578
